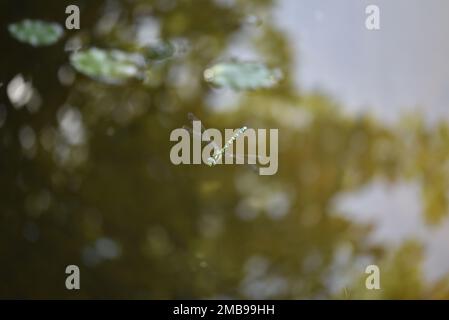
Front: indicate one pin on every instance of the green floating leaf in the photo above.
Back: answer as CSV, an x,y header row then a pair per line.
x,y
242,75
109,66
159,50
35,32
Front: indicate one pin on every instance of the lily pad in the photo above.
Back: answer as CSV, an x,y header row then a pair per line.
x,y
36,32
242,75
109,66
159,50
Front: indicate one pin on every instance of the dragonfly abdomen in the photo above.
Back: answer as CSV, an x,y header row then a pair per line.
x,y
234,137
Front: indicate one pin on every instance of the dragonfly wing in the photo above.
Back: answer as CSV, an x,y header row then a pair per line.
x,y
193,133
252,157
192,118
249,157
197,134
253,167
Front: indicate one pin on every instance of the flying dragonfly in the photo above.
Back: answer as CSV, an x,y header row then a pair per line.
x,y
221,152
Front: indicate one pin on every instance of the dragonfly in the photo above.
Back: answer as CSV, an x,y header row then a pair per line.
x,y
222,152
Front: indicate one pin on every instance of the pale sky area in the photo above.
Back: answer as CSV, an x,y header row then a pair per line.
x,y
399,68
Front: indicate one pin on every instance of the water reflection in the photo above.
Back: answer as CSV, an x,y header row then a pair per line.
x,y
19,91
86,177
397,70
395,212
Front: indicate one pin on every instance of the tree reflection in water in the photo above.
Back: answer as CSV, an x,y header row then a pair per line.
x,y
86,177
